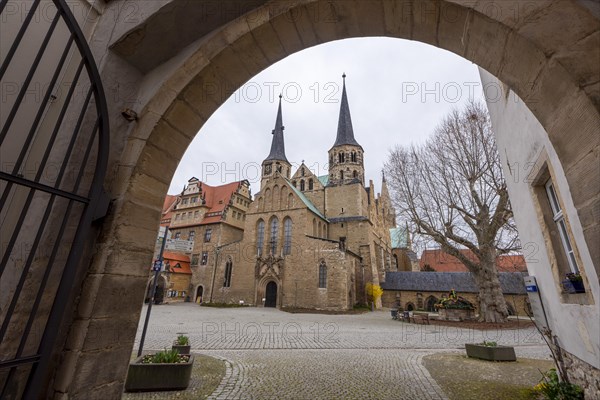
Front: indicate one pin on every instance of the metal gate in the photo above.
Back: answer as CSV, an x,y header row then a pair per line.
x,y
54,144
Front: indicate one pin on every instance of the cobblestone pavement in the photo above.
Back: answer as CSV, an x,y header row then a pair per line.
x,y
277,355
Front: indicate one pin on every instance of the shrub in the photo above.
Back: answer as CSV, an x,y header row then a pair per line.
x,y
553,389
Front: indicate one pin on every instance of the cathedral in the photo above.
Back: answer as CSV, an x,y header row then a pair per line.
x,y
305,241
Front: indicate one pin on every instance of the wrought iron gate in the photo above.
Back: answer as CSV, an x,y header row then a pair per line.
x,y
54,144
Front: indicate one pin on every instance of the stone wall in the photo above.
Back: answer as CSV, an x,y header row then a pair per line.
x,y
583,374
391,298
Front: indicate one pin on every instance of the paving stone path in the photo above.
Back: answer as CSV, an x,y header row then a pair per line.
x,y
276,355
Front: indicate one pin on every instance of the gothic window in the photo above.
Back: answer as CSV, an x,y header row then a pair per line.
x,y
319,231
322,275
302,186
207,235
287,236
228,268
290,202
310,184
260,236
274,234
302,172
341,157
314,233
353,156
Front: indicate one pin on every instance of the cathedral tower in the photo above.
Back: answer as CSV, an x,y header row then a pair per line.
x,y
346,155
276,162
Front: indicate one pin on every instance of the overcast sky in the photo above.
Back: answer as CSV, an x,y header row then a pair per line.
x,y
398,91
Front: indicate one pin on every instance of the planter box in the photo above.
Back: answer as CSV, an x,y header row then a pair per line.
x,y
156,377
456,314
185,350
496,353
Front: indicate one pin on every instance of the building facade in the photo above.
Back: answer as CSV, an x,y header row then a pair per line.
x,y
306,241
413,291
554,228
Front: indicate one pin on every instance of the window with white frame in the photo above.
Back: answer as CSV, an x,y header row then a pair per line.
x,y
204,260
561,225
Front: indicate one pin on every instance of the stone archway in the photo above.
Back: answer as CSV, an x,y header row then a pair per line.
x,y
160,293
544,60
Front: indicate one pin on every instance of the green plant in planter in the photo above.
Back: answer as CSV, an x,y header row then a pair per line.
x,y
573,277
165,357
182,340
553,389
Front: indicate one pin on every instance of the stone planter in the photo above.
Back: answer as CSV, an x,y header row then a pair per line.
x,y
185,350
456,314
491,353
156,377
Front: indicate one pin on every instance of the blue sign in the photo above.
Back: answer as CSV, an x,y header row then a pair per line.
x,y
531,288
157,265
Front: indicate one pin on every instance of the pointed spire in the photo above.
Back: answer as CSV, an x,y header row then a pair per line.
x,y
277,145
345,133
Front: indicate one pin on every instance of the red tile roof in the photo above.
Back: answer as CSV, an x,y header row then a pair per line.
x,y
443,262
217,198
177,258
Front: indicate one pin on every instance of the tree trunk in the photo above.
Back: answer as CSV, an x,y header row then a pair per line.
x,y
492,306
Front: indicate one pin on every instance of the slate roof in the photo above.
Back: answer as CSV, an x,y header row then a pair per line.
x,y
305,200
345,132
399,238
511,282
277,145
444,262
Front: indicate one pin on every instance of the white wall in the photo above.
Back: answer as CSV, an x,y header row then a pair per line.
x,y
519,134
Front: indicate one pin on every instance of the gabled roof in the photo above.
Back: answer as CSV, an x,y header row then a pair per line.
x,y
277,145
399,237
444,262
217,199
345,132
510,282
305,200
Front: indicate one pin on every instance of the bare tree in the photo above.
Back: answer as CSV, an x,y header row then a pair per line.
x,y
452,190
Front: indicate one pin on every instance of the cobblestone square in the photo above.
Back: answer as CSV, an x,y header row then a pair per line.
x,y
277,355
